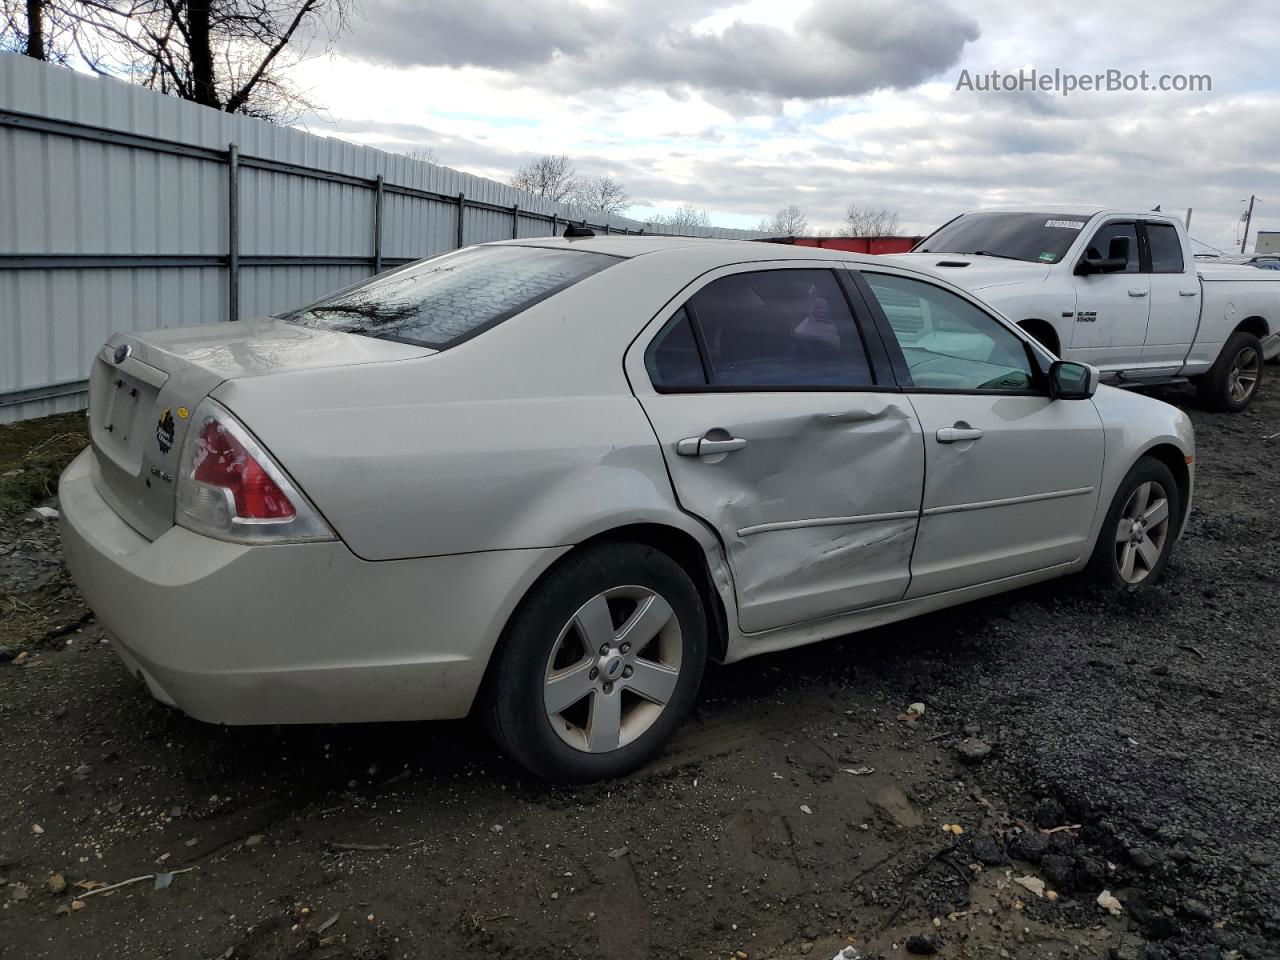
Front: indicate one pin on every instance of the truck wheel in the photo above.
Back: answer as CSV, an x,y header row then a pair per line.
x,y
1232,382
599,666
1137,535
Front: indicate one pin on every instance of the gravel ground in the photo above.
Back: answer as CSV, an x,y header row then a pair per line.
x,y
806,809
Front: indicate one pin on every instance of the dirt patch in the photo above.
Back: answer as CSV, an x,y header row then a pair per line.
x,y
802,811
32,455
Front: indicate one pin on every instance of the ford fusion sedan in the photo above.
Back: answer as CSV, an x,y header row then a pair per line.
x,y
546,481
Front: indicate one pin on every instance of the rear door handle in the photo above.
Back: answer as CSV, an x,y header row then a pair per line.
x,y
958,434
702,447
1187,293
1138,293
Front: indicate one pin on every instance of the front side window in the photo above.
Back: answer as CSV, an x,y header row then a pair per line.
x,y
445,300
784,329
948,343
1166,248
1100,246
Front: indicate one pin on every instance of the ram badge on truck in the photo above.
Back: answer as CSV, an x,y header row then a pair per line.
x,y
1118,290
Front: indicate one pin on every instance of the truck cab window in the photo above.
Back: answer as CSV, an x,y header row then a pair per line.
x,y
1166,249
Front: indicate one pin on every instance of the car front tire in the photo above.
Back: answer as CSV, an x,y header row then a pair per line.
x,y
1139,530
599,665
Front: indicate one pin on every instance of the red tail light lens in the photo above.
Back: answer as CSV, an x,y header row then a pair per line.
x,y
222,461
230,488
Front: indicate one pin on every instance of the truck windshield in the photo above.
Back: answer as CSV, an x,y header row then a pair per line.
x,y
442,301
1034,237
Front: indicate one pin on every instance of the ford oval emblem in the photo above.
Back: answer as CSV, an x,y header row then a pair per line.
x,y
123,352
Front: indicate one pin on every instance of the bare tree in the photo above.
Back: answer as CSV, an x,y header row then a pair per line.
x,y
790,221
549,176
423,154
29,28
870,222
231,55
35,29
603,193
684,217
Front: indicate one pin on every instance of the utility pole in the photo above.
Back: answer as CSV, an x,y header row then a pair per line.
x,y
1187,225
1247,218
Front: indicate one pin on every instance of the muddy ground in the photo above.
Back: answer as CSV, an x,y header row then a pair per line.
x,y
1134,749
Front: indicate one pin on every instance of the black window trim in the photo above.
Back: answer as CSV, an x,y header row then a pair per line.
x,y
1040,373
882,374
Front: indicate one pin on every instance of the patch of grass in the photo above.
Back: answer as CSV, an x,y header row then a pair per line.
x,y
32,455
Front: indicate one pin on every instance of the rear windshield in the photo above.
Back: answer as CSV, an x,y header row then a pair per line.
x,y
442,301
1036,237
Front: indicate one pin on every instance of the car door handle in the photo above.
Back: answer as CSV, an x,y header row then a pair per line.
x,y
958,434
1138,293
1187,293
702,447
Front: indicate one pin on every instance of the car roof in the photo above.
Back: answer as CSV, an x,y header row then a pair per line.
x,y
734,251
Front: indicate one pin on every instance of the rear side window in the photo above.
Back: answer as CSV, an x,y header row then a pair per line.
x,y
779,329
673,359
1166,249
1100,245
442,301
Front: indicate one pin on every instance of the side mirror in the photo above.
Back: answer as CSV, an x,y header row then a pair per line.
x,y
1115,261
1069,380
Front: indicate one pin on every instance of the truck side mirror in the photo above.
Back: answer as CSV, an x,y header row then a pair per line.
x,y
1115,261
1069,380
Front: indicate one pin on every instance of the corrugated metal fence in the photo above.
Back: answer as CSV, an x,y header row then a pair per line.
x,y
122,209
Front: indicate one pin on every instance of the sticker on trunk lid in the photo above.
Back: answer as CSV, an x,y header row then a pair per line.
x,y
164,431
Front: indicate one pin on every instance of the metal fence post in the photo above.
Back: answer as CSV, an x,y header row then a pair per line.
x,y
462,216
233,232
378,197
515,221
555,224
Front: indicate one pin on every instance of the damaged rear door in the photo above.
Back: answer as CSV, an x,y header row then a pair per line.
x,y
781,427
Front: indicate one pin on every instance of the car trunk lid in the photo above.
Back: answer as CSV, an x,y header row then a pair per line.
x,y
144,389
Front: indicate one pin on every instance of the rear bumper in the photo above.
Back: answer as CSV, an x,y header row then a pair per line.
x,y
290,633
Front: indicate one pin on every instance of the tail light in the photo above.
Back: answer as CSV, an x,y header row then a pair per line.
x,y
229,487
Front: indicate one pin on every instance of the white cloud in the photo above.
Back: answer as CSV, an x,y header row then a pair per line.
x,y
834,49
744,108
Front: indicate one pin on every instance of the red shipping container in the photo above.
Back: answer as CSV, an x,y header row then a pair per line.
x,y
854,244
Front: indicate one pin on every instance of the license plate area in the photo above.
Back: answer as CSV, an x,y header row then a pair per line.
x,y
123,412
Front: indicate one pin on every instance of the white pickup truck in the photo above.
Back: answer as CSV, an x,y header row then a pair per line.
x,y
1119,290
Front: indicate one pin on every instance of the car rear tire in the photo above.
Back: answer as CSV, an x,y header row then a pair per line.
x,y
1233,381
599,665
1140,528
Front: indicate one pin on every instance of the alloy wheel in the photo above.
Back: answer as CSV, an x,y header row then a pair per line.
x,y
1142,532
1243,379
613,669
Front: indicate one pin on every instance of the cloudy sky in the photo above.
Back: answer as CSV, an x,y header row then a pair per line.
x,y
743,108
